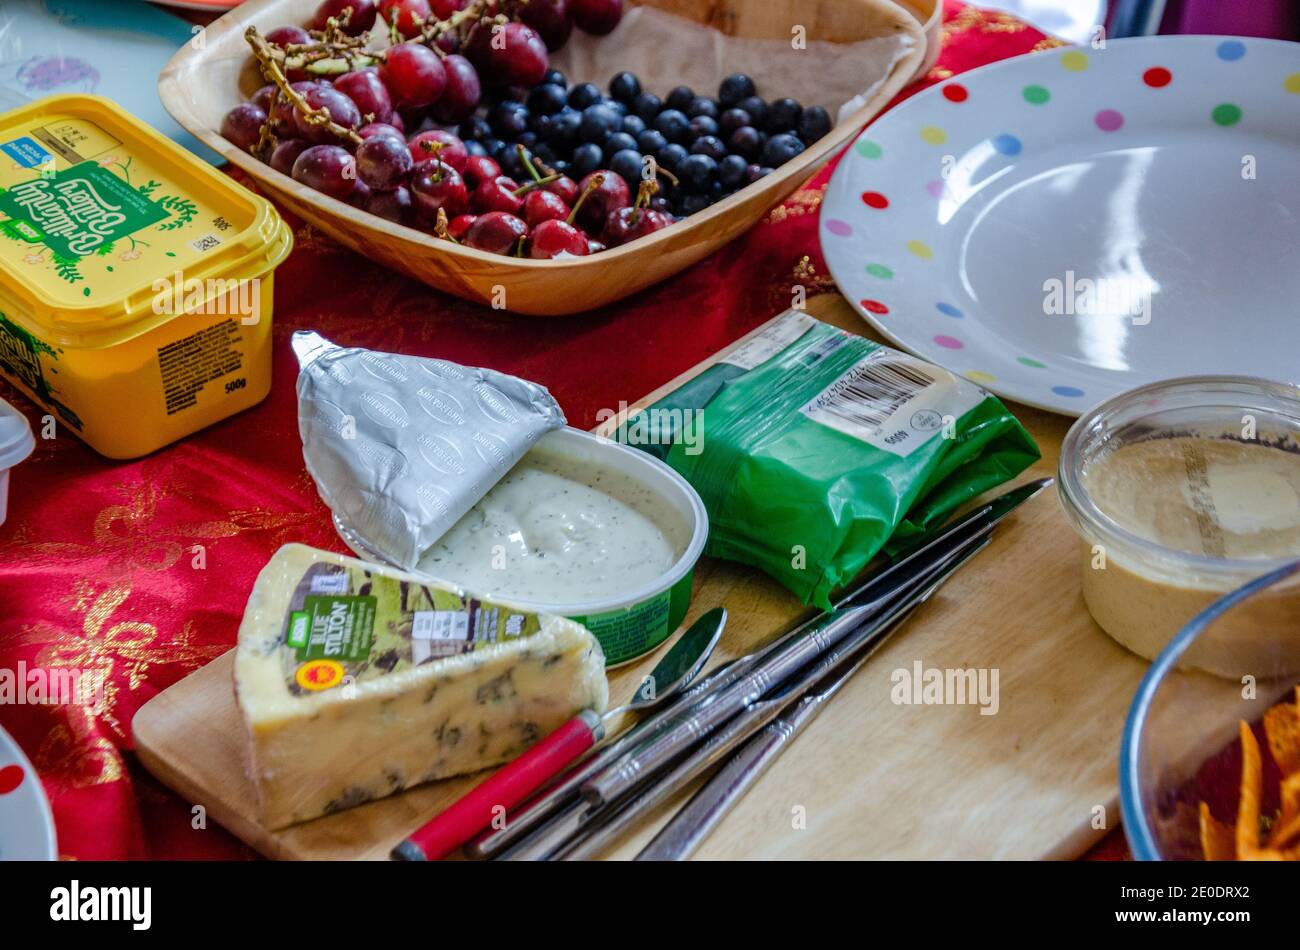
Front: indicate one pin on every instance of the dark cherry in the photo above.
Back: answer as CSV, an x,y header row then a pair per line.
x,y
479,168
436,185
497,232
497,194
612,193
556,238
441,144
460,224
542,206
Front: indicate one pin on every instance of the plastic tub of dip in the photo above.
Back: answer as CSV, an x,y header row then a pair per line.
x,y
16,443
135,280
586,528
1182,491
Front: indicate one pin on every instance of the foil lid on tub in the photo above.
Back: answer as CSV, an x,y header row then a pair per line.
x,y
400,447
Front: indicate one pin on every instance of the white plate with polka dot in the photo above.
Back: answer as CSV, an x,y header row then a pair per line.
x,y
1066,225
26,825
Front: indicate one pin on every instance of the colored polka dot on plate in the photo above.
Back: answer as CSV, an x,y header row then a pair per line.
x,y
839,228
920,249
11,776
933,135
1292,83
880,271
935,188
948,310
1036,95
874,199
1007,144
983,378
1226,113
868,149
874,306
955,92
1157,77
1069,391
948,342
1230,50
1074,61
1109,120
1026,361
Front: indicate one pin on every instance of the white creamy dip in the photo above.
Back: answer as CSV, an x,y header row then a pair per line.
x,y
558,531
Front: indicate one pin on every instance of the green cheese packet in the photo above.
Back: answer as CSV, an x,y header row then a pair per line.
x,y
814,449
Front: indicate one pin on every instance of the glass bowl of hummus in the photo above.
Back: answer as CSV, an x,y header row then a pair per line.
x,y
1181,491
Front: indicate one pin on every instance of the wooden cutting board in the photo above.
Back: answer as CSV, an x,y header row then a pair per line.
x,y
869,778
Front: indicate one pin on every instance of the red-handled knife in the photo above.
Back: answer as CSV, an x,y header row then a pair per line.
x,y
518,779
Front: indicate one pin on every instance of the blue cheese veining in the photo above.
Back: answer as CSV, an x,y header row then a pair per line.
x,y
555,530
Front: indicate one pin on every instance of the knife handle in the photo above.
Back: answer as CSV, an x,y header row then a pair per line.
x,y
504,789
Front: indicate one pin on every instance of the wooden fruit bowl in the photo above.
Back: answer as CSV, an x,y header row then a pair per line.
x,y
200,85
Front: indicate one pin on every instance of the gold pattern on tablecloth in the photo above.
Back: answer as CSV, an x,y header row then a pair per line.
x,y
804,201
75,757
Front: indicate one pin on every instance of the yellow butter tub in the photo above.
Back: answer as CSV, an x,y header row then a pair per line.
x,y
135,280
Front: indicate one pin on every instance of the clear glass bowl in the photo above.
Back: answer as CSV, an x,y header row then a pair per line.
x,y
1179,746
1148,591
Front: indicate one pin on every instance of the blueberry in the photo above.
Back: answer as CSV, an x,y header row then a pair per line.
x,y
673,124
731,172
814,123
615,105
647,106
735,87
756,108
475,147
709,145
633,124
527,139
618,142
783,115
702,106
546,99
733,119
563,130
754,172
680,98
586,159
650,141
475,127
599,122
627,163
781,148
508,118
583,95
545,153
625,87
554,77
703,125
541,124
671,156
660,203
745,141
693,203
491,145
696,171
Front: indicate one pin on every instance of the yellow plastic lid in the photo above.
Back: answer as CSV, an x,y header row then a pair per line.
x,y
101,216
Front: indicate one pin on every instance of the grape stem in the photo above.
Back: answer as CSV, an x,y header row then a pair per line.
x,y
271,71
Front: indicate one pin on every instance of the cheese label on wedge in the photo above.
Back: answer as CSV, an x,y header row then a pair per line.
x,y
358,681
348,623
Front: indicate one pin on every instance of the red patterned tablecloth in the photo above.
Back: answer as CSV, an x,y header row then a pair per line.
x,y
98,558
